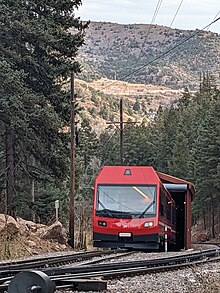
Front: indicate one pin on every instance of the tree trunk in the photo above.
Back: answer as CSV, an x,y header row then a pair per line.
x,y
213,219
10,178
33,195
33,200
204,218
218,216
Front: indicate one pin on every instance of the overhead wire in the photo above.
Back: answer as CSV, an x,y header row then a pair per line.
x,y
214,18
164,53
154,16
208,29
152,21
217,15
175,15
156,10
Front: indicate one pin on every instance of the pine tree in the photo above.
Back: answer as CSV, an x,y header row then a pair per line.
x,y
13,114
179,164
38,52
109,149
206,160
87,142
137,145
163,137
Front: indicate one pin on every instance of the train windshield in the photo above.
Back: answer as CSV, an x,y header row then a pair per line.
x,y
126,201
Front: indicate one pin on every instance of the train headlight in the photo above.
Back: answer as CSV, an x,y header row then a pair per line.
x,y
148,224
102,223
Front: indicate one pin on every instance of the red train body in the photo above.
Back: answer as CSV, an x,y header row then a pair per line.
x,y
132,209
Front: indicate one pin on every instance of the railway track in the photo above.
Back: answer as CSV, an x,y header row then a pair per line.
x,y
69,277
55,261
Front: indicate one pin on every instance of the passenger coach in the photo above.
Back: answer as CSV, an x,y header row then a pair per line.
x,y
132,208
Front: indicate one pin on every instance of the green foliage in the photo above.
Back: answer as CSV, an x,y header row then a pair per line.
x,y
136,106
109,147
37,54
138,145
184,142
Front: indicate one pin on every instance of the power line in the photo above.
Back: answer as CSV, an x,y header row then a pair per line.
x,y
175,15
165,53
217,15
214,18
154,16
156,11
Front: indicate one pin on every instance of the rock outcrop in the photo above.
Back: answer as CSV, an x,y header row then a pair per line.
x,y
8,225
55,232
22,238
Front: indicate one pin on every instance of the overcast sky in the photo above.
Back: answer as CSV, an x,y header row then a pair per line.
x,y
192,13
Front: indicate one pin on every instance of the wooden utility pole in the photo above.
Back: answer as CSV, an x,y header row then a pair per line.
x,y
72,162
121,123
121,133
33,194
10,167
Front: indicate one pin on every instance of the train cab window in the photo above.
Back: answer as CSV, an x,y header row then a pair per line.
x,y
128,201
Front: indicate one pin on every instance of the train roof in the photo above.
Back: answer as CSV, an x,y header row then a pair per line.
x,y
127,174
114,173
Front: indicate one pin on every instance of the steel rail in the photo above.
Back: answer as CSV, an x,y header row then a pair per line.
x,y
67,281
208,243
132,264
54,260
8,273
105,266
123,272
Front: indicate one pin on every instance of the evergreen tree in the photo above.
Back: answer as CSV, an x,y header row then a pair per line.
x,y
13,117
109,148
163,137
87,142
205,158
179,164
37,52
137,145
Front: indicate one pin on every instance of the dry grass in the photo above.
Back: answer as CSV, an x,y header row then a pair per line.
x,y
12,247
19,246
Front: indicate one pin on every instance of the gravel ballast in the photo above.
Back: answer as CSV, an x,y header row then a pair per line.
x,y
195,279
198,279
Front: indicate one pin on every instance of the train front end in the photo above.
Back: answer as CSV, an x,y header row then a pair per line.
x,y
125,208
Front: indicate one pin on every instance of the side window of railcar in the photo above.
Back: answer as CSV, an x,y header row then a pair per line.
x,y
161,210
168,205
173,215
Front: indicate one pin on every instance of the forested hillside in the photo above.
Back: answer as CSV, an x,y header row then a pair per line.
x,y
115,51
184,142
37,54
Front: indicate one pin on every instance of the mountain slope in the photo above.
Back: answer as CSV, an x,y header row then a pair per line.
x,y
114,51
100,101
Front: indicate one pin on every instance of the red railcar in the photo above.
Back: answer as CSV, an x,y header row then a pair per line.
x,y
132,208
